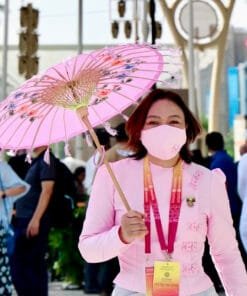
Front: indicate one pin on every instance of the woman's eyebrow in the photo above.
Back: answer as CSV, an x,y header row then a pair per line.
x,y
174,116
159,117
154,116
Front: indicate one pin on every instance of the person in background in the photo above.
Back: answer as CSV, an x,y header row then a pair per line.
x,y
91,166
120,150
196,156
11,188
19,163
220,159
97,276
79,176
72,163
243,149
242,190
189,201
28,265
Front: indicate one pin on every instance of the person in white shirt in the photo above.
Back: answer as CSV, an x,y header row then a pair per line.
x,y
242,191
91,164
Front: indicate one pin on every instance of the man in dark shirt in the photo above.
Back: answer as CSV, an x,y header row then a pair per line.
x,y
220,159
19,163
31,228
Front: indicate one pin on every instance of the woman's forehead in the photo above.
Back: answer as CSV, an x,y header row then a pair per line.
x,y
165,108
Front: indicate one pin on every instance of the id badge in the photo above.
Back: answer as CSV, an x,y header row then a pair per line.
x,y
166,278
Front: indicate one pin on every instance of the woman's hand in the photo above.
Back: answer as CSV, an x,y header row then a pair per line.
x,y
132,227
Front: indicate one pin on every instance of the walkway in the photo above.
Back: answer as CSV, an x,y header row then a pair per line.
x,y
56,289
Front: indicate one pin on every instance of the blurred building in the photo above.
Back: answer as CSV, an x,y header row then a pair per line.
x,y
48,55
236,53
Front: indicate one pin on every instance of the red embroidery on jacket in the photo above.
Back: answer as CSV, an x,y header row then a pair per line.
x,y
190,247
195,179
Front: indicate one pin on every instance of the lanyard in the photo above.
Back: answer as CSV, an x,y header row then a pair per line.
x,y
150,201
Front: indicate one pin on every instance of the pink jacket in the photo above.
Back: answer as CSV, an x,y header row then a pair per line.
x,y
210,216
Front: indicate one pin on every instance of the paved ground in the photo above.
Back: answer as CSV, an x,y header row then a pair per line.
x,y
56,289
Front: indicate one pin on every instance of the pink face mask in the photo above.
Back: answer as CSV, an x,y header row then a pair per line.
x,y
163,141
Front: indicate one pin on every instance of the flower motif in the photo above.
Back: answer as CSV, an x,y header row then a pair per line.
x,y
129,66
117,62
18,94
103,93
105,73
128,80
121,76
23,108
117,87
12,106
34,97
32,113
107,58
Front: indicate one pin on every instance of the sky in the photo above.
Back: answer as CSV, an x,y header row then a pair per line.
x,y
58,21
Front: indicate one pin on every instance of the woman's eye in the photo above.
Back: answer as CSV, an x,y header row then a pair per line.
x,y
152,123
174,122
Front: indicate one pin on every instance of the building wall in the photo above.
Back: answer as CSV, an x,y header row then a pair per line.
x,y
48,56
235,53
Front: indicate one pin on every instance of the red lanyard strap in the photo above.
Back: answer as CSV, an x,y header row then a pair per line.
x,y
150,201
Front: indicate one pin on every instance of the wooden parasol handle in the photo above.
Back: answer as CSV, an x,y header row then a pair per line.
x,y
85,120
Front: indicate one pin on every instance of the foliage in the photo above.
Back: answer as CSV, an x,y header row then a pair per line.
x,y
65,262
229,143
204,122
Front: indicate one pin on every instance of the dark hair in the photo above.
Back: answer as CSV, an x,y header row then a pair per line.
x,y
137,120
103,136
121,133
215,141
79,171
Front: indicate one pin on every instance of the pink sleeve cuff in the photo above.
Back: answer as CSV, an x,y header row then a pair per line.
x,y
103,246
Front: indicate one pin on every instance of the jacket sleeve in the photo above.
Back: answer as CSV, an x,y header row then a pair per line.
x,y
99,240
222,239
10,180
242,180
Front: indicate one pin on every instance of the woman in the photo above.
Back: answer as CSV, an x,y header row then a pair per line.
x,y
163,256
11,188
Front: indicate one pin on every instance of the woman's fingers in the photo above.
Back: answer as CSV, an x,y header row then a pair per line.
x,y
132,226
134,214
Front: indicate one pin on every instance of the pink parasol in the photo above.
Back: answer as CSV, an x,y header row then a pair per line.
x,y
74,96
